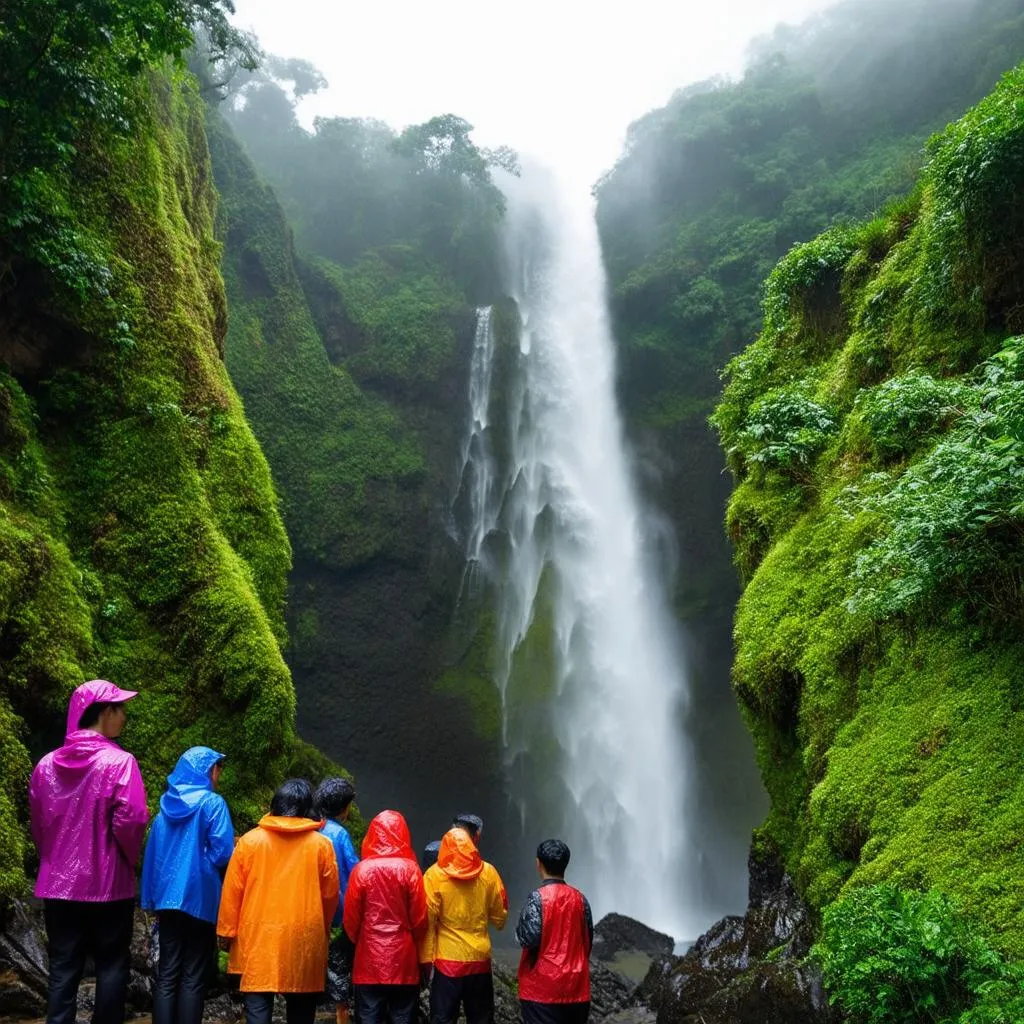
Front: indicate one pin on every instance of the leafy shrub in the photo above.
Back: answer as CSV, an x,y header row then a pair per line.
x,y
785,431
955,518
893,956
901,413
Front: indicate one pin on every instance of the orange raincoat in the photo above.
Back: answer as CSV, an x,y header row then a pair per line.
x,y
464,893
280,893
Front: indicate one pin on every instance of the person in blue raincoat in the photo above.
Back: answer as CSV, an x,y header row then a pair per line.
x,y
332,802
189,845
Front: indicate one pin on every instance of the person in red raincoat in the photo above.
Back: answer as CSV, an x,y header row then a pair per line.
x,y
88,809
556,931
385,917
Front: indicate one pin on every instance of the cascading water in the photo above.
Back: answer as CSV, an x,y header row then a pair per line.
x,y
586,652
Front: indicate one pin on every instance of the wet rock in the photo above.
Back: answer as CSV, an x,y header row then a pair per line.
x,y
745,970
615,934
23,962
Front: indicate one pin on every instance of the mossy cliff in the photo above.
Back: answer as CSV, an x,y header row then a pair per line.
x,y
354,378
139,527
876,434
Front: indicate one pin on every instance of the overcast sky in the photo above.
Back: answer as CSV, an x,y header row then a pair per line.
x,y
557,79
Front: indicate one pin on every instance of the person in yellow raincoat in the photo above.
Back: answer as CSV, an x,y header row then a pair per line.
x,y
280,894
464,895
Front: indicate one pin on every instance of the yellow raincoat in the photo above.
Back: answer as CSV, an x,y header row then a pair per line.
x,y
280,893
464,894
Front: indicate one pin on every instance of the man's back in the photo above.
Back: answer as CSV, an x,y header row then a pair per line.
x,y
556,932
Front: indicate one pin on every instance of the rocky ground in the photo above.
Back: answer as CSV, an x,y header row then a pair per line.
x,y
744,970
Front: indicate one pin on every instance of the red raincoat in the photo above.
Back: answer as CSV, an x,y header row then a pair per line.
x,y
385,907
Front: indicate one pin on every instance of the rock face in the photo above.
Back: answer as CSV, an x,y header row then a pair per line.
x,y
616,934
745,970
23,964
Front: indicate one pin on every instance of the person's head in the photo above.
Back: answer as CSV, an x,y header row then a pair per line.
x,y
430,852
333,798
215,770
293,799
105,717
552,858
472,824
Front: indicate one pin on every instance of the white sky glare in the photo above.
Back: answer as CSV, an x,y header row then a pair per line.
x,y
559,80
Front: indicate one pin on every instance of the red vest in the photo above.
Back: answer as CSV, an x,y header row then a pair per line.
x,y
561,972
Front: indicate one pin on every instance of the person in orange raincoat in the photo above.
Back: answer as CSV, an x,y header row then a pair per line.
x,y
464,894
280,893
385,917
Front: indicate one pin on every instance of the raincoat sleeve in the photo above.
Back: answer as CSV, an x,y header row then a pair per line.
x,y
347,860
590,923
497,901
417,905
220,832
35,809
131,814
147,893
428,947
528,930
233,892
352,917
328,882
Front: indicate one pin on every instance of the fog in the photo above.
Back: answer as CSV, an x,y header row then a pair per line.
x,y
560,80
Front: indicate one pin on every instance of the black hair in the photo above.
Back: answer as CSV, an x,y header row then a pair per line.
x,y
430,852
293,799
471,823
91,715
553,855
332,797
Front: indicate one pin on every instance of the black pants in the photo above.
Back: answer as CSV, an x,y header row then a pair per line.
x,y
375,1004
187,947
473,992
300,1007
73,931
554,1013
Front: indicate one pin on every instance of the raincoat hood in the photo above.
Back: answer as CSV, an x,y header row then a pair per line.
x,y
94,692
458,856
189,784
388,836
276,823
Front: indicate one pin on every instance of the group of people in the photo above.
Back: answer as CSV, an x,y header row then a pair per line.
x,y
291,900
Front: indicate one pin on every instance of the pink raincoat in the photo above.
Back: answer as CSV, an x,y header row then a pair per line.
x,y
88,808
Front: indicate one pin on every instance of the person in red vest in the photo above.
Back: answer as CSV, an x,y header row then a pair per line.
x,y
556,931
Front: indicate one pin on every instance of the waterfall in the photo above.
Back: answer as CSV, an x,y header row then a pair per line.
x,y
586,650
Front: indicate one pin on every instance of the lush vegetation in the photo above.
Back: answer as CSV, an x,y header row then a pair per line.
x,y
891,956
140,538
875,434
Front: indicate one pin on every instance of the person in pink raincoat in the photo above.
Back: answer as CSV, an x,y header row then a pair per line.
x,y
88,810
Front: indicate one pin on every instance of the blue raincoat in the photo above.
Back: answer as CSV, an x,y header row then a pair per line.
x,y
191,840
346,855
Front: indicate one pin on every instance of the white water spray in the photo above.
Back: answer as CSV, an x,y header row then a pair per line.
x,y
587,653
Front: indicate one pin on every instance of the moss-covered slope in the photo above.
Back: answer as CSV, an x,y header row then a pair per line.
x,y
139,529
876,434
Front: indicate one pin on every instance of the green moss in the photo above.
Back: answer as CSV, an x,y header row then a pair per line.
x,y
139,527
879,636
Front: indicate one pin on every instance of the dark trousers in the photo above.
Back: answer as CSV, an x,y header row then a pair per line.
x,y
473,993
554,1013
300,1007
187,946
75,930
376,1004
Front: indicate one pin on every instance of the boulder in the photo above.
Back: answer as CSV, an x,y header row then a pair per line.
x,y
745,970
23,962
616,933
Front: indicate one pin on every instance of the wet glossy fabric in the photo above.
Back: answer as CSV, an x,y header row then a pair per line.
x,y
385,909
88,811
345,854
280,893
555,965
464,894
191,841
